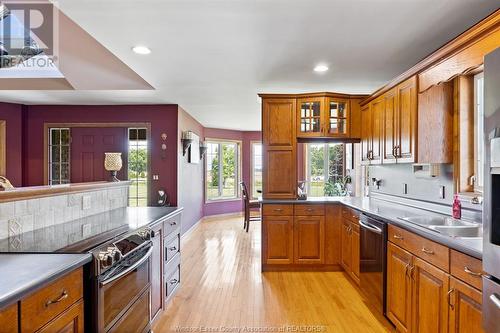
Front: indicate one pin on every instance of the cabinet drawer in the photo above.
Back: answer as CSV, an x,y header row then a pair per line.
x,y
173,281
350,214
172,224
172,247
467,269
47,303
70,320
310,209
282,210
432,252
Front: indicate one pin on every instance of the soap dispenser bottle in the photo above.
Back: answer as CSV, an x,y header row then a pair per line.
x,y
457,207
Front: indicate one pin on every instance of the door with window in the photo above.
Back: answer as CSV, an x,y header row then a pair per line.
x,y
222,170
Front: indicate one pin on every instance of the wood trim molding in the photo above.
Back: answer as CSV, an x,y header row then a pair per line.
x,y
487,26
314,94
3,148
33,192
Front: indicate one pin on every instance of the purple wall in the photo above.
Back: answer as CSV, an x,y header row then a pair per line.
x,y
190,176
233,206
13,116
163,119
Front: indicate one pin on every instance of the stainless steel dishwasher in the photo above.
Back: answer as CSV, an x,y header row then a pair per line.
x,y
373,252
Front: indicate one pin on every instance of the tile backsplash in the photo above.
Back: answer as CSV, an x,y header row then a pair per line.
x,y
21,216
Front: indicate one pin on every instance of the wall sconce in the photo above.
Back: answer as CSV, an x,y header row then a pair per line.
x,y
113,163
186,139
203,149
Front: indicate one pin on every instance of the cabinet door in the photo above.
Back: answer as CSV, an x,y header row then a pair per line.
x,y
377,131
309,239
337,115
277,239
70,321
366,133
390,118
346,253
8,319
279,148
157,271
355,248
406,121
399,286
465,308
429,300
310,117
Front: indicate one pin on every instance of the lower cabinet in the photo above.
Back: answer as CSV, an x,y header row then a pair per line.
x,y
309,239
465,308
71,321
157,271
278,243
346,253
350,248
6,323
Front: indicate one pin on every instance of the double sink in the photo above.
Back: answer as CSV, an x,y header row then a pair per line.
x,y
447,226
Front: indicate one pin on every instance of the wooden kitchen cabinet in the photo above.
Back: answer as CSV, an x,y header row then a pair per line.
x,y
157,271
399,287
429,299
390,127
323,117
279,148
70,321
8,319
465,308
277,242
366,133
309,239
372,120
405,147
350,253
346,253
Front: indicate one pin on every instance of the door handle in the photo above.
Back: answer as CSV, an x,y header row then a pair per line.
x,y
398,237
424,250
448,296
467,270
495,299
370,227
63,296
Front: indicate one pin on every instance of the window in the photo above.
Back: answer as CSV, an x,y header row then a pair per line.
x,y
325,169
138,167
256,169
478,132
222,170
59,156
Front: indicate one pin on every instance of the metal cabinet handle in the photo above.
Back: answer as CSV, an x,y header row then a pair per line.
x,y
424,250
63,296
398,237
173,281
172,248
278,209
467,270
495,299
448,296
173,223
406,269
394,151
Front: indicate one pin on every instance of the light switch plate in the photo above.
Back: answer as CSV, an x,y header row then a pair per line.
x,y
86,202
86,230
441,192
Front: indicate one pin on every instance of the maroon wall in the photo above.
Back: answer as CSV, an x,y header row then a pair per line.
x,y
13,116
232,206
190,176
163,119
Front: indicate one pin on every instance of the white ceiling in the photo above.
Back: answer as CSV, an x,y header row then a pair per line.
x,y
213,57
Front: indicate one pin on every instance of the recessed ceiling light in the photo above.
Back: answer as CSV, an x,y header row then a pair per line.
x,y
321,68
141,49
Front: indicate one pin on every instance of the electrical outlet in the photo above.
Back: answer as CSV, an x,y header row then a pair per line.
x,y
441,192
86,230
156,177
405,188
86,202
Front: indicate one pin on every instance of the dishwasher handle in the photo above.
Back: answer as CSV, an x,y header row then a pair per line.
x,y
370,227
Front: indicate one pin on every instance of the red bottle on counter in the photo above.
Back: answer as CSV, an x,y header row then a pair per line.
x,y
457,207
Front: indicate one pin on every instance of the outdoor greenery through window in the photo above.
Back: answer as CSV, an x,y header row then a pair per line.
x,y
222,170
256,169
59,156
138,167
325,169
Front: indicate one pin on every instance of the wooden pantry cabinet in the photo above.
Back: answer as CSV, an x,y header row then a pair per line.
x,y
431,288
300,237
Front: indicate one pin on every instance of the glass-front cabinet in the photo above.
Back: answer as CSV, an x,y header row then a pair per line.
x,y
322,117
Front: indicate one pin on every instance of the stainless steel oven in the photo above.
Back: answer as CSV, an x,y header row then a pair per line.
x,y
373,238
121,284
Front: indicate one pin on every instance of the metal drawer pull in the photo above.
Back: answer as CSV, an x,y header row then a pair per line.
x,y
467,270
448,296
278,209
174,281
309,210
63,296
398,237
172,248
424,250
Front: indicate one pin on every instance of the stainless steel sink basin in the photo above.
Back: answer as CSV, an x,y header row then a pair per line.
x,y
447,225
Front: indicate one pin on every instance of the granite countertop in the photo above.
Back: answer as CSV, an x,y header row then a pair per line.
x,y
25,273
391,212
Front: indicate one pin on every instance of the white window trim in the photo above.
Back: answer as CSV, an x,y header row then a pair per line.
x,y
50,177
137,198
252,167
325,165
477,77
238,174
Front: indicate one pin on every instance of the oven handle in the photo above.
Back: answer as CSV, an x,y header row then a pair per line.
x,y
370,227
128,270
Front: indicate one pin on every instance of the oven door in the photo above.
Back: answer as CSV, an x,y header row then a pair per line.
x,y
372,261
118,294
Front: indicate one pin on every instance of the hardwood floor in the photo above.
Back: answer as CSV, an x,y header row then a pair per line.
x,y
223,290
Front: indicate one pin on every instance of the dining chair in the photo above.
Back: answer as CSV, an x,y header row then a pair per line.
x,y
249,205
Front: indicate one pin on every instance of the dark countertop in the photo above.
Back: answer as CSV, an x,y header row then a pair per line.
x,y
25,273
390,212
86,233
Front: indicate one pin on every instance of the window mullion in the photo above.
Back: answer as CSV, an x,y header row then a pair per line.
x,y
220,169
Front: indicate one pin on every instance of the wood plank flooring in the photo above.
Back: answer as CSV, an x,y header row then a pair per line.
x,y
223,290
